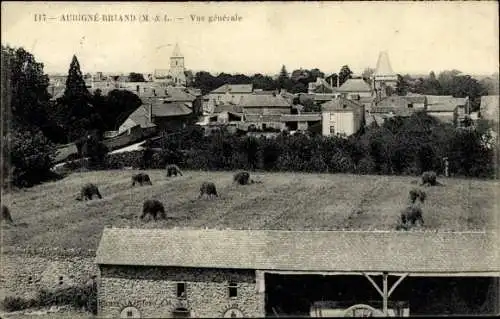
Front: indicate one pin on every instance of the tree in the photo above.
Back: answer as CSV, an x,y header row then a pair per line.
x,y
367,75
283,81
136,77
402,86
344,74
75,105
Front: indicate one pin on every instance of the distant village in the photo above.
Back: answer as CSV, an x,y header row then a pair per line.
x,y
168,100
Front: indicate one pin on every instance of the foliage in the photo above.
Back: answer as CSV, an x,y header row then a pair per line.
x,y
344,74
136,77
11,303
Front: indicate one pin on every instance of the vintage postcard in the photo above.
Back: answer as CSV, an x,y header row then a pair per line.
x,y
249,159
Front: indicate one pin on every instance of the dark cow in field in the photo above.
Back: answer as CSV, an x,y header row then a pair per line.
x,y
242,178
154,208
411,215
429,178
88,191
417,194
6,214
209,189
173,170
141,178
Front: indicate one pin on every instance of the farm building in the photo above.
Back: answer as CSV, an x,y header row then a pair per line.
x,y
148,273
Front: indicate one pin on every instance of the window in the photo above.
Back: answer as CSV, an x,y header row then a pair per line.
x,y
61,280
30,280
181,290
332,129
130,313
410,106
233,290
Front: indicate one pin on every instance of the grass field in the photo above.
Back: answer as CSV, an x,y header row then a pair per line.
x,y
49,216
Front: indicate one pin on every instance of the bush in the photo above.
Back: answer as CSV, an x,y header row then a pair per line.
x,y
82,296
366,166
11,304
30,155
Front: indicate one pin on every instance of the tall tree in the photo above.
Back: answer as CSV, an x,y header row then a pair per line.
x,y
344,74
283,81
75,104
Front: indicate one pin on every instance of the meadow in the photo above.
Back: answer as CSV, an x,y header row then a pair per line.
x,y
48,215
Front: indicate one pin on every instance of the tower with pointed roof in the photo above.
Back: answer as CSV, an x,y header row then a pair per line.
x,y
384,79
177,68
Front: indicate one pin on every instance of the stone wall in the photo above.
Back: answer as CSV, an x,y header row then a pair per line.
x,y
24,273
152,291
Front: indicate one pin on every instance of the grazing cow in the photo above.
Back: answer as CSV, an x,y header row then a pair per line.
x,y
154,208
417,194
209,189
6,214
411,215
242,178
429,178
173,170
141,178
88,191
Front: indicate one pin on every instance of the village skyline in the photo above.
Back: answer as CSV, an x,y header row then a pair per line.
x,y
419,37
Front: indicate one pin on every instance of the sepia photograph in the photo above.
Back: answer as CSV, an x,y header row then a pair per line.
x,y
249,159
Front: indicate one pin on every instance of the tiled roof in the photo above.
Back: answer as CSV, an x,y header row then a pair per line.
x,y
393,101
354,85
170,93
411,252
301,117
234,88
256,100
171,109
490,107
339,104
228,108
262,117
393,110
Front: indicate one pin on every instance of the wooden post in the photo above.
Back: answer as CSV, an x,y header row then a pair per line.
x,y
386,295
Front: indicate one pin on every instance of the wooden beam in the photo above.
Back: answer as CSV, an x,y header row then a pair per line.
x,y
396,284
374,284
385,295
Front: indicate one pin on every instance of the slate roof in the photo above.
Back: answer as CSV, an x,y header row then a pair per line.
x,y
257,100
234,88
444,103
340,104
140,117
354,85
383,65
301,250
171,109
228,108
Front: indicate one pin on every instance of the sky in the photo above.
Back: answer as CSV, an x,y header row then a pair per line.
x,y
418,36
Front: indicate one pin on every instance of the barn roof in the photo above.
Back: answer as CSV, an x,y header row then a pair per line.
x,y
414,252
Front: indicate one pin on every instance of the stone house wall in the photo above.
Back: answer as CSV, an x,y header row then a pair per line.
x,y
152,291
24,274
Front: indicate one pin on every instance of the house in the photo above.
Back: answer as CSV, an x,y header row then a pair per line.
x,y
354,88
489,109
264,111
301,121
342,116
321,86
417,103
146,273
227,93
447,108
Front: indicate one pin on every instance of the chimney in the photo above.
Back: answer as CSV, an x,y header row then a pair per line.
x,y
150,112
137,88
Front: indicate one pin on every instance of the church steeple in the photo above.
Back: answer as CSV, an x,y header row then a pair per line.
x,y
177,52
383,65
